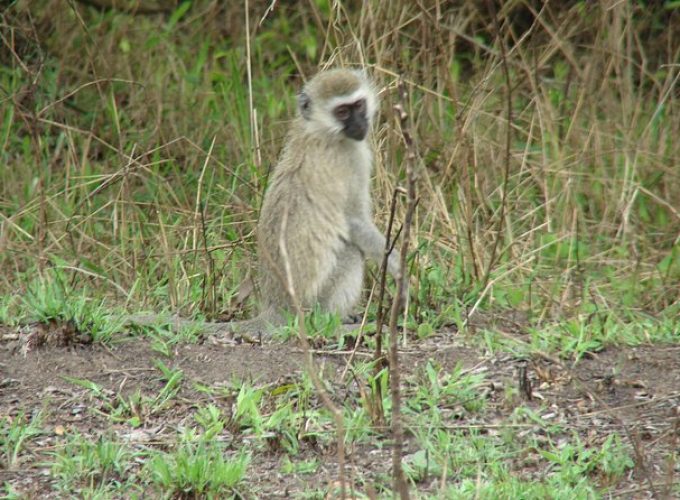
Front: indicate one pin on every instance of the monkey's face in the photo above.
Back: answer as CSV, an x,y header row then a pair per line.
x,y
338,104
353,119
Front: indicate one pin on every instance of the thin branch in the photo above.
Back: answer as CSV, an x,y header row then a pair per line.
x,y
389,245
508,140
400,485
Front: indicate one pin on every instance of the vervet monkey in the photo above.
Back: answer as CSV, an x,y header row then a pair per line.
x,y
318,207
322,185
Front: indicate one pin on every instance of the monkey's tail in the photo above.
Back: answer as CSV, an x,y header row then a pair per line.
x,y
252,330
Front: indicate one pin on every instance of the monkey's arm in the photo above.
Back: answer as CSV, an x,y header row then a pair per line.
x,y
371,242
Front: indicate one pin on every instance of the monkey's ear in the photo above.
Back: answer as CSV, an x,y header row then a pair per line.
x,y
305,105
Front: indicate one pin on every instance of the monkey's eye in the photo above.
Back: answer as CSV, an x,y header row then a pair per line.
x,y
360,105
342,112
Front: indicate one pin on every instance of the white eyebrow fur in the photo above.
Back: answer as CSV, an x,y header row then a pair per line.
x,y
354,96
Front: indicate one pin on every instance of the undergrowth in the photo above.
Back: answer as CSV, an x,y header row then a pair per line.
x,y
136,141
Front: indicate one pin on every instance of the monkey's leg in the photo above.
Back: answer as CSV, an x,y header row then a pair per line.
x,y
343,289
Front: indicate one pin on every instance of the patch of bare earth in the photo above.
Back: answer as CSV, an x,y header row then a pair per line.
x,y
632,392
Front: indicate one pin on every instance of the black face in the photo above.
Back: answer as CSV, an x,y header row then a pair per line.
x,y
353,118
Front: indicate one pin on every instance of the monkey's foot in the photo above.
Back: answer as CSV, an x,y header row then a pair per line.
x,y
352,319
232,337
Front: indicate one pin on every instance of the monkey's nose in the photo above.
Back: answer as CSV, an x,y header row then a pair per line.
x,y
356,131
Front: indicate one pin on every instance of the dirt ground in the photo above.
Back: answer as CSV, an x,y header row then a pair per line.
x,y
634,392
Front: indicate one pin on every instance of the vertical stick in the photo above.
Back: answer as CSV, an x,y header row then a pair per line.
x,y
254,139
400,485
389,244
508,142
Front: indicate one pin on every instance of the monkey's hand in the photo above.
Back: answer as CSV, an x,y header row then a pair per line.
x,y
394,265
371,242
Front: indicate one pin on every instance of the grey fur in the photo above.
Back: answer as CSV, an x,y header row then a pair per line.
x,y
322,183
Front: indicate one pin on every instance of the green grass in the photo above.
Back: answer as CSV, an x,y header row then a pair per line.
x,y
135,150
134,408
105,468
99,467
16,432
198,471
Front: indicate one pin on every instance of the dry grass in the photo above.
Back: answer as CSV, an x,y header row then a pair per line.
x,y
137,138
136,147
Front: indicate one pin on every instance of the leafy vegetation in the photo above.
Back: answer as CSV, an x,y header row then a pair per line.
x,y
136,140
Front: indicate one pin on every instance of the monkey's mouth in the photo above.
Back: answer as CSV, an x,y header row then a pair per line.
x,y
356,130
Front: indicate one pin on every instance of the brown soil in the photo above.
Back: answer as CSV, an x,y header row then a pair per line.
x,y
633,392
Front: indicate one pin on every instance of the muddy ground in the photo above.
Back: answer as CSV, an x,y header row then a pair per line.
x,y
634,392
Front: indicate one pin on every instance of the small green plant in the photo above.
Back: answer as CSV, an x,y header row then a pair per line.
x,y
7,492
165,334
52,299
8,310
572,461
299,466
285,424
358,428
135,407
131,409
173,381
198,470
117,407
514,487
460,454
160,344
247,413
48,299
523,414
318,325
14,433
288,405
83,462
210,418
435,388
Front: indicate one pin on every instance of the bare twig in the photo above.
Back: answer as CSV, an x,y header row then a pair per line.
x,y
209,290
400,485
378,360
380,316
254,140
508,140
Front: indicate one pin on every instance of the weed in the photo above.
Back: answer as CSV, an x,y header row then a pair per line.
x,y
52,299
198,470
16,432
247,409
299,467
82,462
573,460
437,389
210,419
134,408
135,147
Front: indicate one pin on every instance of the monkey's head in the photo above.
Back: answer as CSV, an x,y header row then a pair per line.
x,y
340,102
